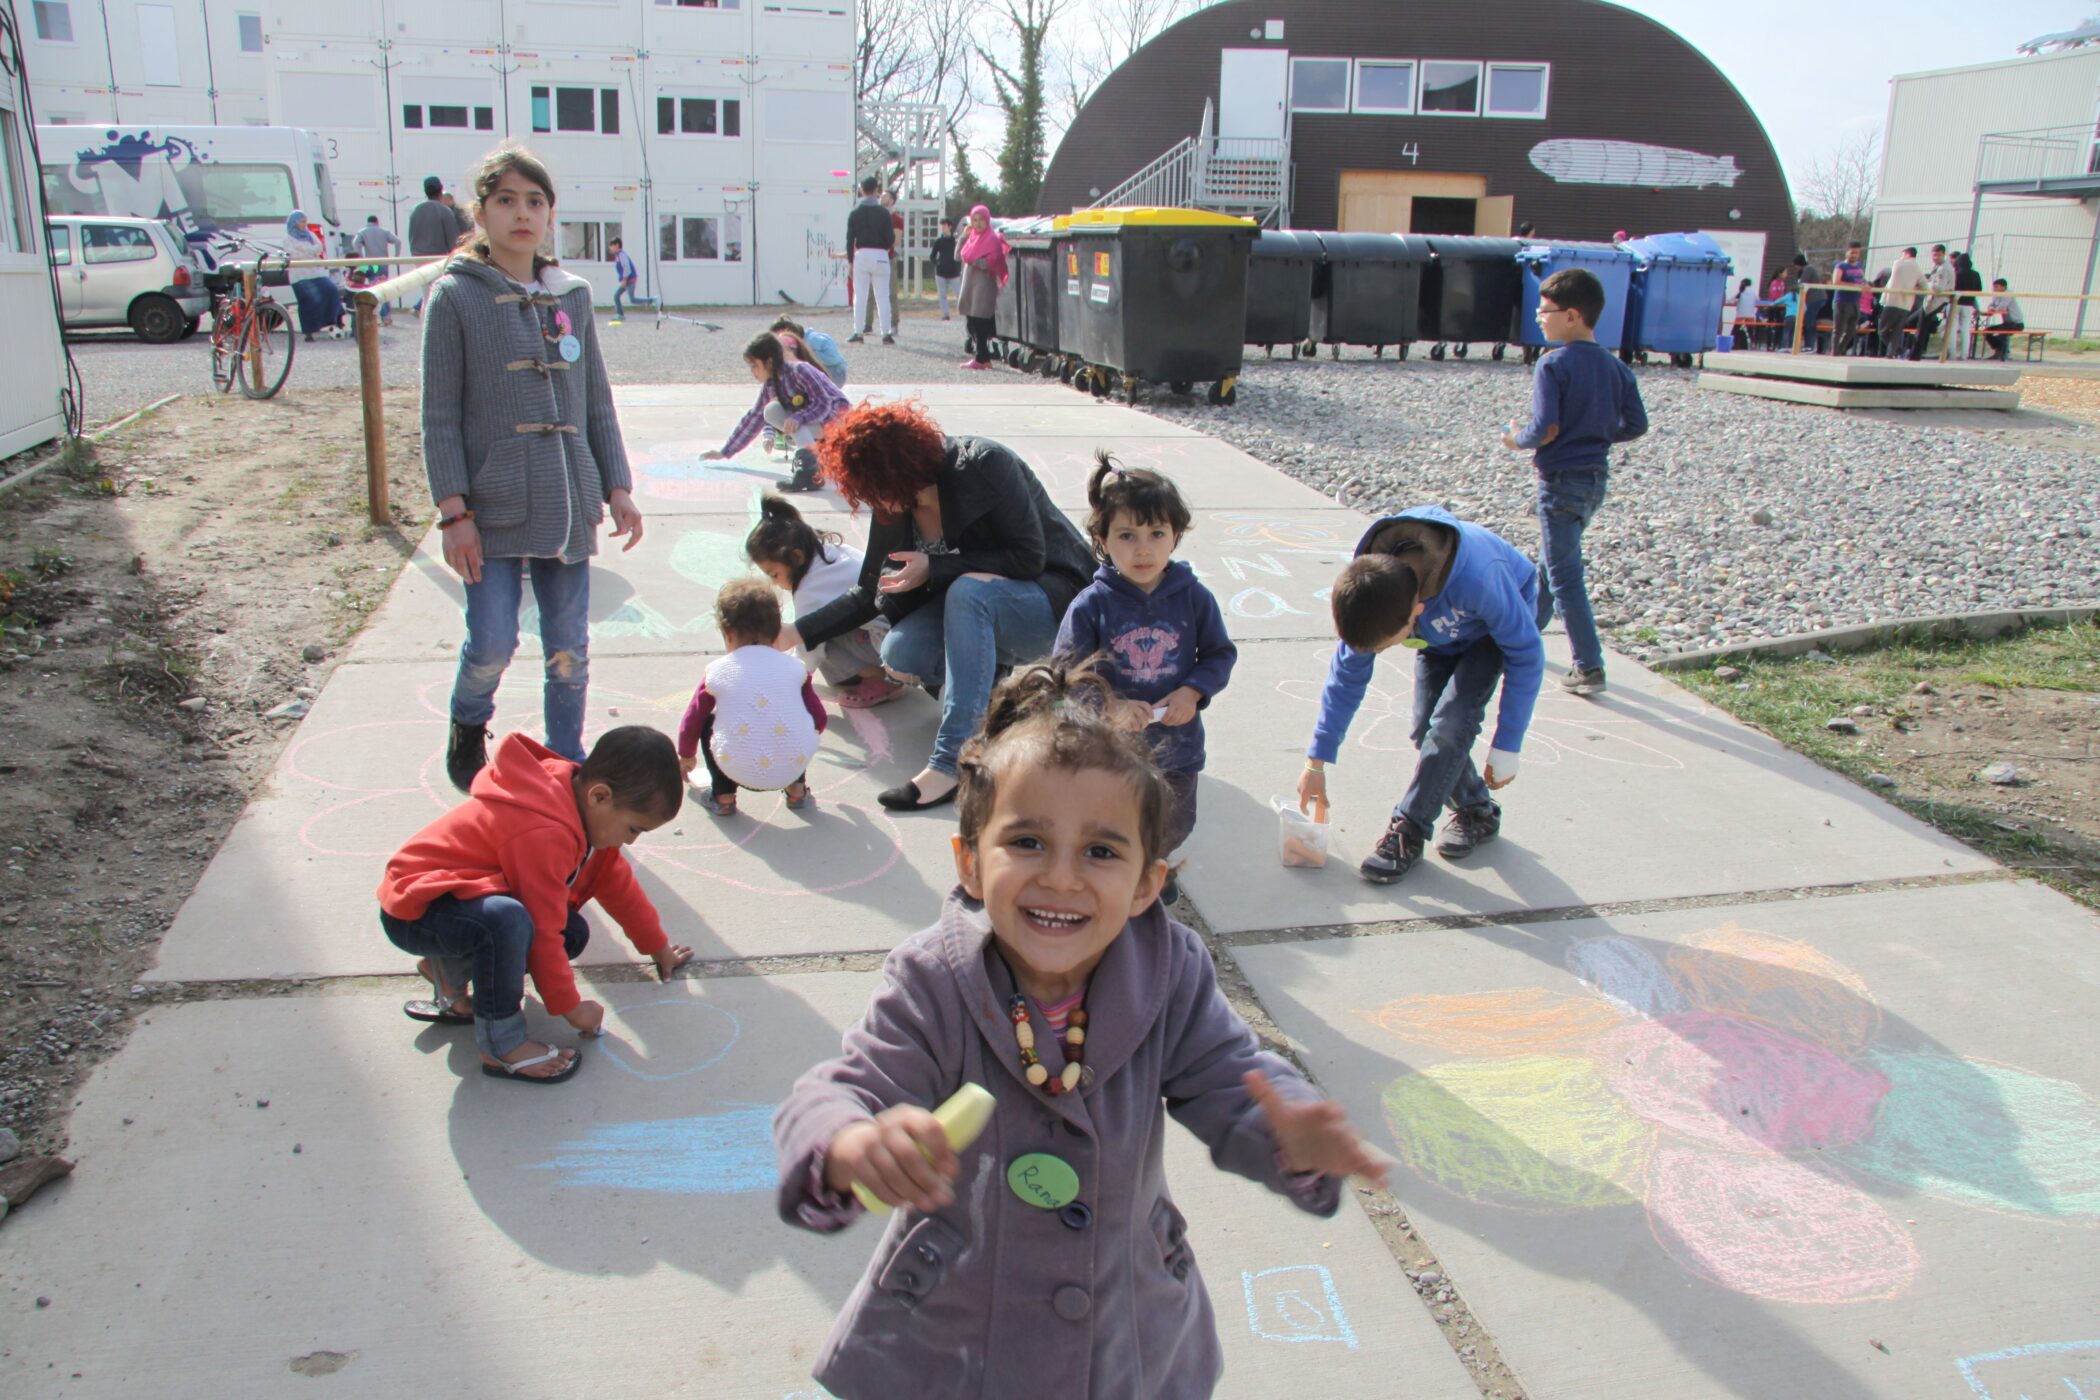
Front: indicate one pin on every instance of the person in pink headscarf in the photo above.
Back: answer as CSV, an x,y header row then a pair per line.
x,y
984,273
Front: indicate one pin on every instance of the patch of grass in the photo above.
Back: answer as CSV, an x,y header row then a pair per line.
x,y
1791,698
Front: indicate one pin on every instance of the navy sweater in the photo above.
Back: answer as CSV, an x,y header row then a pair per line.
x,y
1595,401
1155,643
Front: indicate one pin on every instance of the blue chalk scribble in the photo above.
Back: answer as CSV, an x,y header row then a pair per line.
x,y
2042,1364
1296,1303
709,1155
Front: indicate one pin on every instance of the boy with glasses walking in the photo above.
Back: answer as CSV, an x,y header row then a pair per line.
x,y
1583,400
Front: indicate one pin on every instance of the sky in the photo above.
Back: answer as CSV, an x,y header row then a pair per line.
x,y
1804,113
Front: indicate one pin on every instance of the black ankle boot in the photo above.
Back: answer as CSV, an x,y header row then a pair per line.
x,y
467,753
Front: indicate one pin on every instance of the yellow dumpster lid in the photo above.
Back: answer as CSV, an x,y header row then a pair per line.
x,y
1098,220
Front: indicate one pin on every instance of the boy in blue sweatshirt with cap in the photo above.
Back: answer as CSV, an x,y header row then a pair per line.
x,y
1465,601
1583,401
1158,630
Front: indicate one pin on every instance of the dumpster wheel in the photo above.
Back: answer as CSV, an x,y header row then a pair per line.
x,y
1496,353
1294,350
1065,369
1130,388
1336,350
1401,349
1181,386
1312,349
1225,392
1014,357
1460,350
1681,360
1532,353
1436,351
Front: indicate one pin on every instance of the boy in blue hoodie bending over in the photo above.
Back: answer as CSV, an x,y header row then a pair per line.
x,y
1583,402
1158,630
1465,601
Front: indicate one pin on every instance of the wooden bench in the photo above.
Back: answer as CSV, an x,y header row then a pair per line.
x,y
2037,341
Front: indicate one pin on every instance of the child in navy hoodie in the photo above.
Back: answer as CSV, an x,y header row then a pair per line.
x,y
1158,630
1465,601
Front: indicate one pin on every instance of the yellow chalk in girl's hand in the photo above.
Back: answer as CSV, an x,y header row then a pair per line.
x,y
962,1118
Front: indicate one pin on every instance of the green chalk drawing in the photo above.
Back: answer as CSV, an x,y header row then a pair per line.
x,y
1985,1135
1529,1132
711,558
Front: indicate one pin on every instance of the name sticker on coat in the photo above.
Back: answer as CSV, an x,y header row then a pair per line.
x,y
1043,1181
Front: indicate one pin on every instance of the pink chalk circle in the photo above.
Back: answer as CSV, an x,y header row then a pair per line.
x,y
1739,1085
1782,982
1534,1132
1775,1228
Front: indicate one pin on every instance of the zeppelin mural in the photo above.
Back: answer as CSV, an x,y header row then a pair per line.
x,y
1446,117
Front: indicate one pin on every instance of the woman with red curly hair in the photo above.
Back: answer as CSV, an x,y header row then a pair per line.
x,y
967,558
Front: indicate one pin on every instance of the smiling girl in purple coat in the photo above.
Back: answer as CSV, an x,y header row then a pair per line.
x,y
1047,1258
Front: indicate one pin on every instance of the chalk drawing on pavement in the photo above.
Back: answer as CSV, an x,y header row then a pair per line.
x,y
1730,1084
1575,729
2037,1371
709,1154
1296,1303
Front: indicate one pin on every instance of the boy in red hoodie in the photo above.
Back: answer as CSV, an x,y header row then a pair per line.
x,y
494,889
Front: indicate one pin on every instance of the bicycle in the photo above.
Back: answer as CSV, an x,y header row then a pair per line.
x,y
251,342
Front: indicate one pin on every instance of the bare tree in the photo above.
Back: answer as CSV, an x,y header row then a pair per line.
x,y
1844,184
1107,34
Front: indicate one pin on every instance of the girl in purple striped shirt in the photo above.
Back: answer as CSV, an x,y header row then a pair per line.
x,y
795,401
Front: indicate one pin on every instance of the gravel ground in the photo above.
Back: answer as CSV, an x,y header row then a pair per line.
x,y
122,373
1733,519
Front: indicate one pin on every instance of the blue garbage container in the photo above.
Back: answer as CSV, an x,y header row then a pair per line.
x,y
1613,267
1680,282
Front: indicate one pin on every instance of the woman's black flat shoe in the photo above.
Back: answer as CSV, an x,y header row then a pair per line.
x,y
906,798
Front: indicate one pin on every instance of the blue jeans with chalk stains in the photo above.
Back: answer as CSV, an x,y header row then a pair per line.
x,y
562,592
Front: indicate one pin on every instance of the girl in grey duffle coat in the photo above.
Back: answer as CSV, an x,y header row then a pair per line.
x,y
1085,1287
523,451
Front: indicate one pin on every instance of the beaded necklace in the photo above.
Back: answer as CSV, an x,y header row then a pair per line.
x,y
1076,1075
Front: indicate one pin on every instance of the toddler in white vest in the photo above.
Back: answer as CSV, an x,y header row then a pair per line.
x,y
755,718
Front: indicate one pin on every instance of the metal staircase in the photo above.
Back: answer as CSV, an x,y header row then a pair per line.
x,y
1243,175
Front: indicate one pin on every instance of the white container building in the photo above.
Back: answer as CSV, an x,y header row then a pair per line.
x,y
716,140
2020,133
32,358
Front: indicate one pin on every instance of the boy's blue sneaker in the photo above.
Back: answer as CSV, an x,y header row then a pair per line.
x,y
1469,829
1579,682
1395,854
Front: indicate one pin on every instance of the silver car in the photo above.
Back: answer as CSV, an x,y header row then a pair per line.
x,y
126,272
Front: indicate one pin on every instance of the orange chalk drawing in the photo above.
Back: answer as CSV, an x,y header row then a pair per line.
x,y
1520,1021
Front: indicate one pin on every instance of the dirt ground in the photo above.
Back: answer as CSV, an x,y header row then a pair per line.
x,y
198,555
1938,747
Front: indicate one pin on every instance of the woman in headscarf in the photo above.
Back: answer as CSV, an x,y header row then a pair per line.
x,y
984,273
320,300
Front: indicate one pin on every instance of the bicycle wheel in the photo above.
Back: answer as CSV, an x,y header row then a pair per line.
x,y
225,346
266,351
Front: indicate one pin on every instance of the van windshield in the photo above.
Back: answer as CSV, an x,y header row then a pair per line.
x,y
216,192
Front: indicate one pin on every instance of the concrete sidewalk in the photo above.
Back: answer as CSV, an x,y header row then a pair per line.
x,y
1715,1076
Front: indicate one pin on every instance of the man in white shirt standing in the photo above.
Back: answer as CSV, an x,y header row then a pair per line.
x,y
1939,280
1898,300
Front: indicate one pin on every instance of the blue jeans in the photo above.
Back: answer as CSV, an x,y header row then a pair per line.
x,y
563,593
1567,500
624,289
481,943
1452,690
964,637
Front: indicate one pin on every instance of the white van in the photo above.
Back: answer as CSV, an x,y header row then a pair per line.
x,y
212,184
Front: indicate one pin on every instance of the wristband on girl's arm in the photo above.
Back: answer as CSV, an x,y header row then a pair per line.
x,y
447,522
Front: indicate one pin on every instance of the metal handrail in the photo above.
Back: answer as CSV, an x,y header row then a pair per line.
x,y
2035,154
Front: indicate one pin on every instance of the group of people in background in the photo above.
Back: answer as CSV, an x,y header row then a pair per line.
x,y
1894,313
